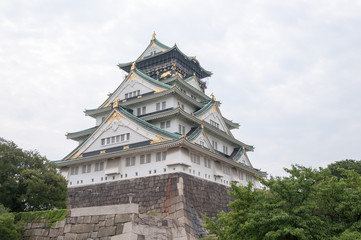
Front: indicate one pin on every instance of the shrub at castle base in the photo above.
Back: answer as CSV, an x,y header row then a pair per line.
x,y
308,204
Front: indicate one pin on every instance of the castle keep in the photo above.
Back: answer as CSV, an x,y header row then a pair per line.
x,y
160,139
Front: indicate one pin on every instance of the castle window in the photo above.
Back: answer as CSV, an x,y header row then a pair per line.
x,y
226,170
161,156
225,149
92,179
157,106
145,159
113,177
181,129
144,110
195,158
215,124
164,169
74,170
99,166
132,94
129,161
207,163
115,139
139,111
165,124
214,144
201,143
86,168
194,97
164,105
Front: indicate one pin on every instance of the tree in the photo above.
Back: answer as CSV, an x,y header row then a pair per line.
x,y
348,164
307,204
28,181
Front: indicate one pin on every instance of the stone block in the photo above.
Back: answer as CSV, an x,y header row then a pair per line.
x,y
101,223
38,225
40,232
60,224
94,235
141,237
61,238
82,228
73,220
96,228
53,232
80,220
109,222
119,229
122,218
82,236
125,236
128,227
70,236
67,228
87,219
106,231
94,219
102,218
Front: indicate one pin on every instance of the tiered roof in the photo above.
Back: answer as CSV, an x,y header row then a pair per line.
x,y
118,114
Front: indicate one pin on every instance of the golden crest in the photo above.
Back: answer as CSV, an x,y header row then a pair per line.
x,y
158,139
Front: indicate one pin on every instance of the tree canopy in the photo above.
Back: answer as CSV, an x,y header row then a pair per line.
x,y
307,204
28,181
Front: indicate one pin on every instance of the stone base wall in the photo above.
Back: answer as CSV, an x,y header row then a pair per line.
x,y
177,196
96,223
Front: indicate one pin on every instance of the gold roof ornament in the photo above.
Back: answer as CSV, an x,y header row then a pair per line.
x,y
153,36
213,97
132,67
116,102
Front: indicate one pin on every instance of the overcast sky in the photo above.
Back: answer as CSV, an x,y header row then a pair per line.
x,y
288,71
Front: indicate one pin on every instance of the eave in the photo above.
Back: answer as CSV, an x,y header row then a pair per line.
x,y
80,135
231,124
153,147
178,111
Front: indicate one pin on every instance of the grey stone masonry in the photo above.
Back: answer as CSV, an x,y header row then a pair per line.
x,y
166,206
114,226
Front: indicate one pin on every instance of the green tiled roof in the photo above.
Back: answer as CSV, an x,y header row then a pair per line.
x,y
195,134
150,79
204,109
148,125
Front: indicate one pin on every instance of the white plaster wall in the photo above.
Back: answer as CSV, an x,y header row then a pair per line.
x,y
178,160
216,118
194,84
153,48
133,138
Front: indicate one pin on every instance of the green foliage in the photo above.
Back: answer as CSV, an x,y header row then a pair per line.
x,y
336,168
8,230
307,204
49,217
29,182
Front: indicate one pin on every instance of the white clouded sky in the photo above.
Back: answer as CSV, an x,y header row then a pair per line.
x,y
288,71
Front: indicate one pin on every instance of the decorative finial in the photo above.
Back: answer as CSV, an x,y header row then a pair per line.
x,y
132,67
116,103
202,126
194,74
213,97
153,36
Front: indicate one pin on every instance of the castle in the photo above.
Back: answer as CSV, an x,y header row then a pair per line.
x,y
158,136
